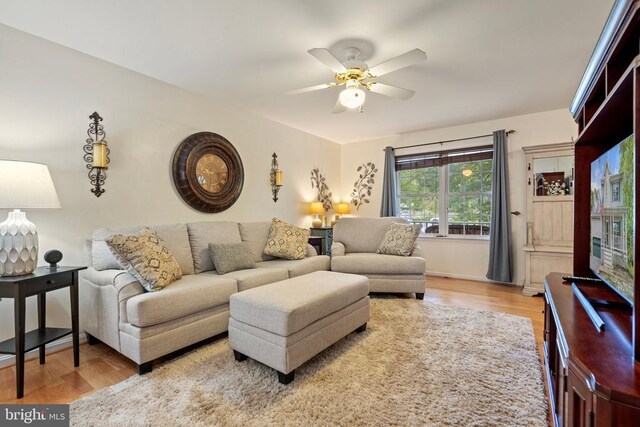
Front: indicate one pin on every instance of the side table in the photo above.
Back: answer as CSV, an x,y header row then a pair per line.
x,y
327,233
318,243
41,281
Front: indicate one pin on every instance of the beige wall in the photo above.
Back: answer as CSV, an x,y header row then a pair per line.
x,y
48,92
464,258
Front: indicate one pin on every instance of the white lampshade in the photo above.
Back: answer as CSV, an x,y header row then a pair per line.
x,y
23,185
26,185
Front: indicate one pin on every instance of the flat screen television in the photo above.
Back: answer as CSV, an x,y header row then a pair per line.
x,y
612,217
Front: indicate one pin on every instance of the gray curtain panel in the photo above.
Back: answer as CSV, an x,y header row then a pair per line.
x,y
500,257
389,202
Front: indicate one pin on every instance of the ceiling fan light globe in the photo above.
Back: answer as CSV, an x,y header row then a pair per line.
x,y
352,97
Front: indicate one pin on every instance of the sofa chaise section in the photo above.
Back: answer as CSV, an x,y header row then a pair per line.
x,y
355,241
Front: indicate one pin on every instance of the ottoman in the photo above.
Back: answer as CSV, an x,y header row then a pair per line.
x,y
284,324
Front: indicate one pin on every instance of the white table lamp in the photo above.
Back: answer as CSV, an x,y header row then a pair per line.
x,y
23,185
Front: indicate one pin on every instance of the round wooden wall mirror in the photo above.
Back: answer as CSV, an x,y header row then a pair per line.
x,y
208,172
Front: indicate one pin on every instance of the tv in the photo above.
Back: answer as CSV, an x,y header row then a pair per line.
x,y
612,218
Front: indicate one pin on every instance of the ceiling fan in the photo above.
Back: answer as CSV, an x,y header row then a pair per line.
x,y
356,75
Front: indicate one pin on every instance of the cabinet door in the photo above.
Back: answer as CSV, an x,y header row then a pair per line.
x,y
579,405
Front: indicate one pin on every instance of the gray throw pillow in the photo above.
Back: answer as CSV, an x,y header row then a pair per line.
x,y
228,257
399,239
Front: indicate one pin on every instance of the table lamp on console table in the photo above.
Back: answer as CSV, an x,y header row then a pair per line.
x,y
23,185
317,209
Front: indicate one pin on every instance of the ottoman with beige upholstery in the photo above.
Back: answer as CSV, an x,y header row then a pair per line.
x,y
286,323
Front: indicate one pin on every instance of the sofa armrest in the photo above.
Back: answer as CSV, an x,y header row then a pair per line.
x,y
311,251
337,249
104,295
417,251
124,283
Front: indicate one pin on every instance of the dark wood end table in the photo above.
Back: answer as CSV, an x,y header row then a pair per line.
x,y
318,243
41,281
327,234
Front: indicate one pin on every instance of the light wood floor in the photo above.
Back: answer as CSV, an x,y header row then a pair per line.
x,y
57,381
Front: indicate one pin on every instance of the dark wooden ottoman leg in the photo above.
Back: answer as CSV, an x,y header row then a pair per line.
x,y
286,378
419,295
362,328
145,368
239,356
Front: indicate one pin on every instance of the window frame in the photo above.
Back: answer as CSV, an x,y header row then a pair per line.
x,y
615,192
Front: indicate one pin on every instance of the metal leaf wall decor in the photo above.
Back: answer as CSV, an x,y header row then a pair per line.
x,y
319,182
364,184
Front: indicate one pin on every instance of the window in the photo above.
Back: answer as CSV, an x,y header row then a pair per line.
x,y
447,192
617,234
615,191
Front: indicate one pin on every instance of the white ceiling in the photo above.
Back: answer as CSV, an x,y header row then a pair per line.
x,y
486,59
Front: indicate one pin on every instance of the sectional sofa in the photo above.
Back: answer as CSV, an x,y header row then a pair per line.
x,y
144,326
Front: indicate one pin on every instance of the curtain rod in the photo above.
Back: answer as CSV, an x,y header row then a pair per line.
x,y
448,140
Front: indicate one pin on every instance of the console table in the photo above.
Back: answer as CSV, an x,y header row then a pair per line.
x,y
592,377
327,234
41,281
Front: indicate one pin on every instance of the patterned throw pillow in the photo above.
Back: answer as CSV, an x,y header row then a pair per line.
x,y
145,256
228,257
287,241
399,239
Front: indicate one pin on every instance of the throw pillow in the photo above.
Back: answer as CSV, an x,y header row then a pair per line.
x,y
287,241
145,256
228,257
399,239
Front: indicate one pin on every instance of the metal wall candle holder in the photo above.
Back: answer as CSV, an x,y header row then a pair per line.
x,y
276,177
96,154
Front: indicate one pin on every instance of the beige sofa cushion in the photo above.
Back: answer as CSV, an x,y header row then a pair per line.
x,y
359,263
399,239
287,241
300,266
203,233
189,295
286,307
228,257
254,277
175,237
145,256
255,234
362,234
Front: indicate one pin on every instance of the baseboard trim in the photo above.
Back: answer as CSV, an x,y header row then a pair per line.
x,y
466,277
7,360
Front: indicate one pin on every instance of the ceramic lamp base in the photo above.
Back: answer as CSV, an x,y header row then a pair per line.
x,y
18,245
317,222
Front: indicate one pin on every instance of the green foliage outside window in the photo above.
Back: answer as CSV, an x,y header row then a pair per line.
x,y
468,197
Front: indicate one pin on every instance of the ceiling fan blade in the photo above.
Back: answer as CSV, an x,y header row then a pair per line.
x,y
327,58
339,108
311,88
392,91
405,60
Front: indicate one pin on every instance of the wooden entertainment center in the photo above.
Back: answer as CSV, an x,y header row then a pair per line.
x,y
594,376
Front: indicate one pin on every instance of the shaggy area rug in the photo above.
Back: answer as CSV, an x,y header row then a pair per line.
x,y
417,364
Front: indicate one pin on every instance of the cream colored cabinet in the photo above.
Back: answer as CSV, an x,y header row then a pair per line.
x,y
549,247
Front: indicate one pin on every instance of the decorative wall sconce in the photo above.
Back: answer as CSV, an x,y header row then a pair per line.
x,y
96,154
276,177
